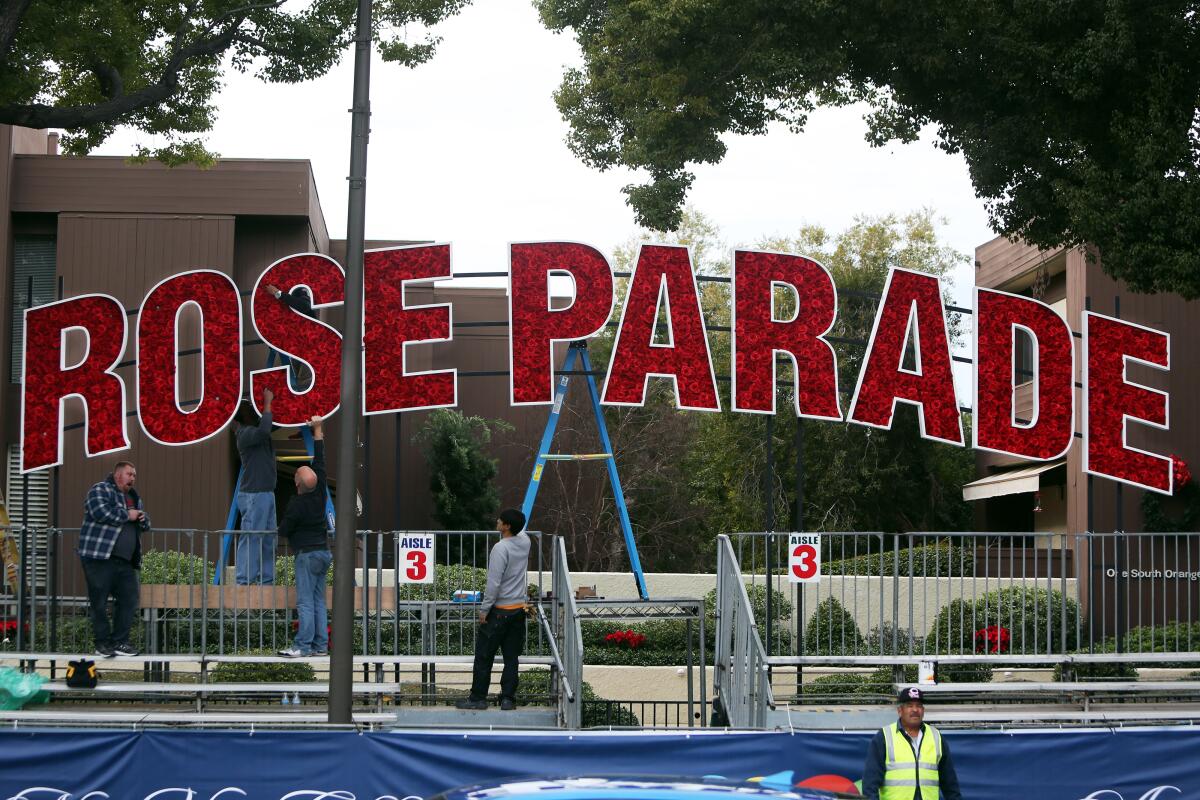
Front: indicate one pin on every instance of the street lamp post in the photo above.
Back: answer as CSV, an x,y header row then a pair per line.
x,y
341,667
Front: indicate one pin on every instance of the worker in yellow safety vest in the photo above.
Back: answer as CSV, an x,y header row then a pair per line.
x,y
909,760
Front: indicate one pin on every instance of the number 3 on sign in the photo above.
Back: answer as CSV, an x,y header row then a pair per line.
x,y
804,557
416,559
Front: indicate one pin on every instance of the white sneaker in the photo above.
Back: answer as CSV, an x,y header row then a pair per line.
x,y
292,652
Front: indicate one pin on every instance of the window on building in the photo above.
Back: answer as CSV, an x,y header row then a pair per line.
x,y
29,494
33,260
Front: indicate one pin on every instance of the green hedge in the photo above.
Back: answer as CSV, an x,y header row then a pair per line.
x,y
1168,638
1098,670
293,672
859,685
534,687
1031,615
933,560
174,567
1171,637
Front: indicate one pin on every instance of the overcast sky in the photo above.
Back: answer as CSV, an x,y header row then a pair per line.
x,y
469,149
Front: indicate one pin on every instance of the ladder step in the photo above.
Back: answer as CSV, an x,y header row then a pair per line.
x,y
576,456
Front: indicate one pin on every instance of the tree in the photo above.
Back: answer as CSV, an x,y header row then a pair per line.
x,y
460,471
856,478
1078,120
89,66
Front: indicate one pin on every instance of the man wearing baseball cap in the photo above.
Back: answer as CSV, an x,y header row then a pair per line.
x,y
909,760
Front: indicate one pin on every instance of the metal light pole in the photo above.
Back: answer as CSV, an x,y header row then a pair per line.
x,y
341,667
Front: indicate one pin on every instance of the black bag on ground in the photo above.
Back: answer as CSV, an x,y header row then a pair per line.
x,y
82,674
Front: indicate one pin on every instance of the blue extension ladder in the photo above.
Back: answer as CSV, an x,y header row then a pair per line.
x,y
578,350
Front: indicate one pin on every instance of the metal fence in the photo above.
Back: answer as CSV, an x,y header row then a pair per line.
x,y
567,641
740,666
190,602
989,596
643,714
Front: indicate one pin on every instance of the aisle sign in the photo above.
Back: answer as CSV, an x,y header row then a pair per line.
x,y
415,564
804,557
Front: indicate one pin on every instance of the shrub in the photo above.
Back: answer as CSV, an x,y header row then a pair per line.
x,y
840,685
781,610
665,643
596,713
886,639
876,685
1172,637
292,672
1102,670
831,631
934,560
174,567
1026,613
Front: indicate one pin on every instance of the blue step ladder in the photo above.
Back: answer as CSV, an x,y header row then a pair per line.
x,y
578,352
232,519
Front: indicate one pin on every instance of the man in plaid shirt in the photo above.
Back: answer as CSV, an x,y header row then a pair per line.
x,y
111,551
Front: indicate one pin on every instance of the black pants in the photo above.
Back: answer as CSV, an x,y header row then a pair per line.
x,y
504,631
118,578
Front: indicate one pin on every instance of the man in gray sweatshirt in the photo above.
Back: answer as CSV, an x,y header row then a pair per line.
x,y
502,614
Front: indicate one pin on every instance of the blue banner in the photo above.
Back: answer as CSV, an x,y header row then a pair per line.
x,y
1118,764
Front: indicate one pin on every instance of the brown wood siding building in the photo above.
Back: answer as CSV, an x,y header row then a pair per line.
x,y
121,227
1011,266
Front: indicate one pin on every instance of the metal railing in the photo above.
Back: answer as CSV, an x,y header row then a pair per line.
x,y
978,596
643,713
183,611
567,640
740,666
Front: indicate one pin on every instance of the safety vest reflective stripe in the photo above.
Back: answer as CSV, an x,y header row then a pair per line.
x,y
904,771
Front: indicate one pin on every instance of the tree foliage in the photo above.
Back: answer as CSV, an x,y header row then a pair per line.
x,y
90,66
461,473
689,476
855,478
1078,120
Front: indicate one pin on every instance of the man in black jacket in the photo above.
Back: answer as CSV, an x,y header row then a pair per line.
x,y
304,526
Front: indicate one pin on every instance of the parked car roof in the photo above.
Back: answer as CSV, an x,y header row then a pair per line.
x,y
629,788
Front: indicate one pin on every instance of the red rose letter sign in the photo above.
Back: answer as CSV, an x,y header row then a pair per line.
x,y
912,302
758,336
284,328
1048,433
160,405
534,327
389,327
72,348
1112,401
663,276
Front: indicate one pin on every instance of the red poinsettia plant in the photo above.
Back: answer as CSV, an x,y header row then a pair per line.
x,y
992,639
630,639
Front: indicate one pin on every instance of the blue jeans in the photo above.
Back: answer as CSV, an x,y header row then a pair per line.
x,y
312,636
255,560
